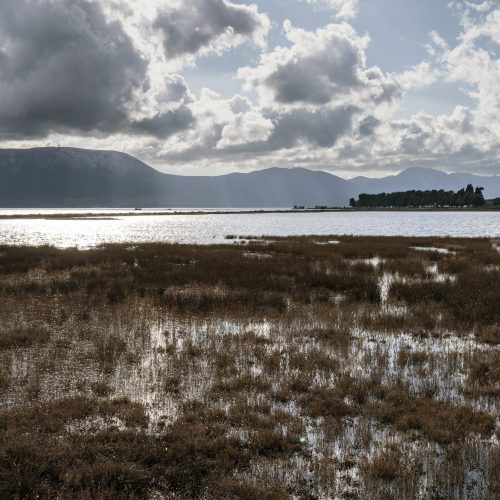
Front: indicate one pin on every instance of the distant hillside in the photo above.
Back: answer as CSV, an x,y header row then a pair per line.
x,y
72,178
427,179
63,177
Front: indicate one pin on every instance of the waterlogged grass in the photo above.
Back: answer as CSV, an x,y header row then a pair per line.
x,y
336,367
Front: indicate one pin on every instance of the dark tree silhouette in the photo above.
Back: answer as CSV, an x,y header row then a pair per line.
x,y
468,197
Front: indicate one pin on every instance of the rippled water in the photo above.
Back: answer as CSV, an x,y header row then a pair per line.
x,y
213,227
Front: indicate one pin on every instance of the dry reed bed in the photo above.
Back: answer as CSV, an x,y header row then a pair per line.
x,y
347,367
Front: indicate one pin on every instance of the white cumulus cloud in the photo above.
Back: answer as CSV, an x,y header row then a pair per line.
x,y
344,9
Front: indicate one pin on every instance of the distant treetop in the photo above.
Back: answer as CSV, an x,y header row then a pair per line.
x,y
466,197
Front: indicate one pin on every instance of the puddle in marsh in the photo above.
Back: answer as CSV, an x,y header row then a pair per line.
x,y
373,261
180,351
438,277
434,249
344,372
257,255
331,242
170,360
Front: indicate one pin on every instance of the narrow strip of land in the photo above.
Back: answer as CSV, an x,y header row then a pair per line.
x,y
116,215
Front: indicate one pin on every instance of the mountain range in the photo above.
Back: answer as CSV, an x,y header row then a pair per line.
x,y
74,178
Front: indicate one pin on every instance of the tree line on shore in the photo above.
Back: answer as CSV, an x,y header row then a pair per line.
x,y
465,197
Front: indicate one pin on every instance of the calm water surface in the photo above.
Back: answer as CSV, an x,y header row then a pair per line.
x,y
213,228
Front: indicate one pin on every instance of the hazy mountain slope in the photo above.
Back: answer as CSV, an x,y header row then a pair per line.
x,y
54,177
265,188
426,178
67,177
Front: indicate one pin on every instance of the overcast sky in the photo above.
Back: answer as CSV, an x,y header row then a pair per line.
x,y
355,87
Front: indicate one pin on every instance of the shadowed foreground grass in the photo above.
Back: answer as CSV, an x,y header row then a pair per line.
x,y
339,367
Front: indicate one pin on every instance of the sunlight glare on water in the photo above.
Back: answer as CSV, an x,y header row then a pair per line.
x,y
213,228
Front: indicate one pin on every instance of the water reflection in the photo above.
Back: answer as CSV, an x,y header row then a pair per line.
x,y
213,228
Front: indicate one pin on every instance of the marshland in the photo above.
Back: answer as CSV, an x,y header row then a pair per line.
x,y
294,367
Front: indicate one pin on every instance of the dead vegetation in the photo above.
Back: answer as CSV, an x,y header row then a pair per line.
x,y
367,368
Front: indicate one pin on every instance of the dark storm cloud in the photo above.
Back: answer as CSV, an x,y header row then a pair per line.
x,y
166,124
327,66
368,126
198,23
320,75
321,128
64,68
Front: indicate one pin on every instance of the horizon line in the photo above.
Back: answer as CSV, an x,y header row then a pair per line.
x,y
395,174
